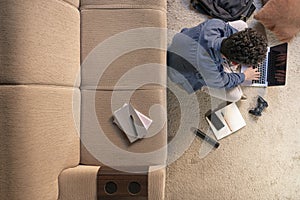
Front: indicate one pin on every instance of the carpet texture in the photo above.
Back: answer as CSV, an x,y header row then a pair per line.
x,y
262,160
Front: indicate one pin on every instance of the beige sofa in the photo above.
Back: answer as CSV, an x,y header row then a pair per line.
x,y
60,81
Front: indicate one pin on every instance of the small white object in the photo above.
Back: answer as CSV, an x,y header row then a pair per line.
x,y
133,123
231,117
239,25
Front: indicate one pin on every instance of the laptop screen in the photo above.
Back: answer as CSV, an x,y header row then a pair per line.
x,y
277,65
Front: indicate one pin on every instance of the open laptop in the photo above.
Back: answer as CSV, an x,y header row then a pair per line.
x,y
273,69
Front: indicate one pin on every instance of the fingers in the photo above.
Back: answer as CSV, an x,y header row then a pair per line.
x,y
280,64
280,71
252,74
281,56
281,59
256,76
256,73
280,80
280,76
252,70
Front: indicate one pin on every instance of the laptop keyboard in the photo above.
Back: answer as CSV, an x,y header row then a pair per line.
x,y
262,69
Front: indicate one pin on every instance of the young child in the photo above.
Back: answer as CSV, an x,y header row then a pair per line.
x,y
201,57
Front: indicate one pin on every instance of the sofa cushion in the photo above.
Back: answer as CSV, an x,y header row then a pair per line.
x,y
281,17
40,42
38,139
139,68
73,2
108,55
105,144
152,4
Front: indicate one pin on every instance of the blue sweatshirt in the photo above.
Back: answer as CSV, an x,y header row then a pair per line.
x,y
194,58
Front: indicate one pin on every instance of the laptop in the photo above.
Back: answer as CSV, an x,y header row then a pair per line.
x,y
272,70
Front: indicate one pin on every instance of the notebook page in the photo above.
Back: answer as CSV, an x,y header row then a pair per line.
x,y
233,117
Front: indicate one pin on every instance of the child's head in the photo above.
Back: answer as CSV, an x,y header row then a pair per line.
x,y
246,47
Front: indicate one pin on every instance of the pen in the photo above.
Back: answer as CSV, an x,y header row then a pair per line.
x,y
226,121
133,124
206,138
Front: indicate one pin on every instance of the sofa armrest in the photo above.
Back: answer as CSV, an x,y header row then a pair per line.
x,y
81,183
78,183
156,179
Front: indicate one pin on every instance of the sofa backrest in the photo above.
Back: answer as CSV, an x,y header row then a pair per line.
x,y
39,96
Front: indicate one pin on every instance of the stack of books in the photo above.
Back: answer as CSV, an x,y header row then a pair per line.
x,y
133,123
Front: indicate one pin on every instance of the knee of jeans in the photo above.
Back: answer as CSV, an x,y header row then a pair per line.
x,y
234,98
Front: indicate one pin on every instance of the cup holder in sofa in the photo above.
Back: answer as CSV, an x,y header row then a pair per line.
x,y
134,188
111,187
117,185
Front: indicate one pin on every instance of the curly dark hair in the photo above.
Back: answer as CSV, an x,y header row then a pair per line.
x,y
247,47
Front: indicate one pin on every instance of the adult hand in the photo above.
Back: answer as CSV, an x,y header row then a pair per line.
x,y
251,74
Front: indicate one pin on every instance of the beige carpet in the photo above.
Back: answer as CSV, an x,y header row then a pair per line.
x,y
259,162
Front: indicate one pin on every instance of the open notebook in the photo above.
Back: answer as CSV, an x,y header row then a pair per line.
x,y
226,121
133,123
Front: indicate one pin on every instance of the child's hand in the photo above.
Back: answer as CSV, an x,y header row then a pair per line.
x,y
251,74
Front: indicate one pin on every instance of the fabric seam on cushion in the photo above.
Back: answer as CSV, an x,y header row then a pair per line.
x,y
122,89
39,85
121,6
68,4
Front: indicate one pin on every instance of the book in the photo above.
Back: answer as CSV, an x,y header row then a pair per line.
x,y
132,122
226,121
